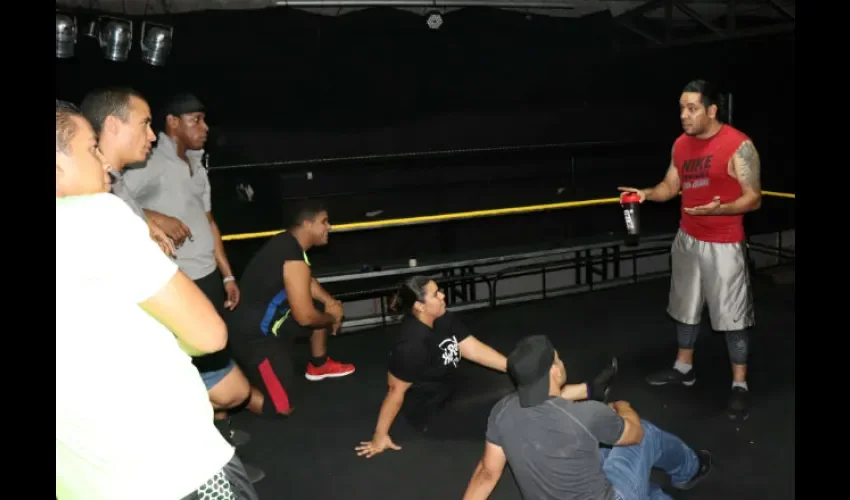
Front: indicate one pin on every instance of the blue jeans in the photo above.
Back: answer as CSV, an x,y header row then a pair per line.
x,y
628,467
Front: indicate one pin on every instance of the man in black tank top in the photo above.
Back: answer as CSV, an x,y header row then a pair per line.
x,y
281,300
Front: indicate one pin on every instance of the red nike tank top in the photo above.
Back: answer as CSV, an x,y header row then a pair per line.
x,y
703,166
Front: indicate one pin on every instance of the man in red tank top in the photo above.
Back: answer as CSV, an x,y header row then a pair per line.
x,y
717,169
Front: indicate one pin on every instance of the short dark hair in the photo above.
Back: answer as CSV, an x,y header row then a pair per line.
x,y
305,210
709,96
65,126
113,101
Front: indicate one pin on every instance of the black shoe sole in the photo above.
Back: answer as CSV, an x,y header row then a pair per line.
x,y
700,476
607,390
656,383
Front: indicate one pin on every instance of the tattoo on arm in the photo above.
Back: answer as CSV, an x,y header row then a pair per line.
x,y
749,166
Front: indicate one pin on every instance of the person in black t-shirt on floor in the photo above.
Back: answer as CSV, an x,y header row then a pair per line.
x,y
281,300
424,359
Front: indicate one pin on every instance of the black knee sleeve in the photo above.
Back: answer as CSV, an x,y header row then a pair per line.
x,y
241,406
687,335
738,343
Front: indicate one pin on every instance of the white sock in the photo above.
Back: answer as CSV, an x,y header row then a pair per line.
x,y
682,368
742,385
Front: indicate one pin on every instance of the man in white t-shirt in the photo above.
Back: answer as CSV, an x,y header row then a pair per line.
x,y
119,333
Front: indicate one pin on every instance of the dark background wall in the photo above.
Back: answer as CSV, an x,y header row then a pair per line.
x,y
289,87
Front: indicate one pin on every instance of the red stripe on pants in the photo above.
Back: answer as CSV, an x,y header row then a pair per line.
x,y
273,386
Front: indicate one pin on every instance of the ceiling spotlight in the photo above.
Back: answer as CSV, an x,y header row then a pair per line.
x,y
115,38
156,43
435,20
66,35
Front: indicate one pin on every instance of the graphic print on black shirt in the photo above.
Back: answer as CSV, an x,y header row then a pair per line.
x,y
422,355
261,286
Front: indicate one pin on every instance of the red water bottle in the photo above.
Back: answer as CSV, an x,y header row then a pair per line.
x,y
631,213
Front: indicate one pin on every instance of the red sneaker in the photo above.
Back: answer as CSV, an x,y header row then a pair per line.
x,y
331,369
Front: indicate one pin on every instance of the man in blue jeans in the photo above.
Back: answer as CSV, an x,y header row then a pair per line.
x,y
552,444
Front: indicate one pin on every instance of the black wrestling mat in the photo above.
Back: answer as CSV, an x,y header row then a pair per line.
x,y
311,455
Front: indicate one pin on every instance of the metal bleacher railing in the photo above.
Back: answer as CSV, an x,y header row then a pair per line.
x,y
590,265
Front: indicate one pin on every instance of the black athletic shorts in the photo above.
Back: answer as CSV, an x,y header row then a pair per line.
x,y
267,359
230,483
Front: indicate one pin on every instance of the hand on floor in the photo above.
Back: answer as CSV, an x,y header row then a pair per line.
x,y
377,445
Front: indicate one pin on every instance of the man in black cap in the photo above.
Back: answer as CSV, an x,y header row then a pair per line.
x,y
552,444
173,189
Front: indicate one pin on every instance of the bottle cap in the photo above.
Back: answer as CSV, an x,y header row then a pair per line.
x,y
630,198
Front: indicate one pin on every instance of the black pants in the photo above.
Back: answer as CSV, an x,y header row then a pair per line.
x,y
230,483
425,400
267,359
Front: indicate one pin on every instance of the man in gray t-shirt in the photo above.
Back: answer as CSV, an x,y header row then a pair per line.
x,y
552,444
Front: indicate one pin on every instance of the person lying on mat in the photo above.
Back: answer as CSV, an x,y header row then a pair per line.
x,y
424,359
553,446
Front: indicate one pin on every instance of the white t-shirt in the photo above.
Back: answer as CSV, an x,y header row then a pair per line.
x,y
133,419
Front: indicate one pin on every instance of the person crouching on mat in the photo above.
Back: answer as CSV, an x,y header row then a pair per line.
x,y
424,359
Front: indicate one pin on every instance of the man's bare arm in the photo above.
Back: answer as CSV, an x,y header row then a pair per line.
x,y
668,188
319,293
487,473
746,168
632,430
184,309
220,254
298,283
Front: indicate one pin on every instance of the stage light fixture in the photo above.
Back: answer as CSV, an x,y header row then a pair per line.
x,y
115,38
66,35
156,41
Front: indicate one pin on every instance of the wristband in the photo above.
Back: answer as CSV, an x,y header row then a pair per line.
x,y
228,279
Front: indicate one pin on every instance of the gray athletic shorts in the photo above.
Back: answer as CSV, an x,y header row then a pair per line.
x,y
710,273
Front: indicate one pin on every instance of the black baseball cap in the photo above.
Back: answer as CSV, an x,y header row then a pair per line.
x,y
529,364
183,103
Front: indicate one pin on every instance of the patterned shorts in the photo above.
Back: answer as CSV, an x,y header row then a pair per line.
x,y
230,483
216,488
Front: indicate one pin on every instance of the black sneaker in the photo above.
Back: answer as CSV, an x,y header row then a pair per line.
x,y
739,404
236,438
672,376
705,465
600,386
